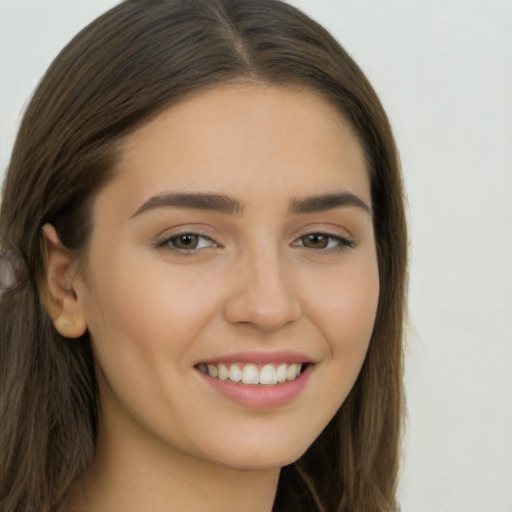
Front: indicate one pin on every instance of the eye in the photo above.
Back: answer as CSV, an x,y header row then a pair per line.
x,y
187,242
323,241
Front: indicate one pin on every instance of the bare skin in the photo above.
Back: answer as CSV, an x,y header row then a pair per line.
x,y
281,269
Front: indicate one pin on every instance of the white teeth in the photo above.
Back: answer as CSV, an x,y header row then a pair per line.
x,y
281,373
268,375
235,374
223,372
292,371
212,370
250,374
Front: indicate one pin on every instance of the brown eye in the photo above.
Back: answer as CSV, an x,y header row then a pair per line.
x,y
185,241
324,241
315,241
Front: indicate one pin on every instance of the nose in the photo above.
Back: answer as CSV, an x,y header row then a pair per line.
x,y
264,294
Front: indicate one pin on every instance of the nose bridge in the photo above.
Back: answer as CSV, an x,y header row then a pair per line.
x,y
264,293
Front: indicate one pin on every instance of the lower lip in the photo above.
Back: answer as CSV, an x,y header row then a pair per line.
x,y
261,396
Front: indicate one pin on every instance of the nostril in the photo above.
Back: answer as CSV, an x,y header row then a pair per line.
x,y
266,314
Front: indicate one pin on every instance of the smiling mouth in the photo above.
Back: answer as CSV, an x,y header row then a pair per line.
x,y
253,374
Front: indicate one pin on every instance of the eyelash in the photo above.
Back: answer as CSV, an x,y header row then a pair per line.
x,y
169,242
340,243
334,242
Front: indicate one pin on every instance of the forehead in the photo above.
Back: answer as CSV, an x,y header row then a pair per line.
x,y
244,139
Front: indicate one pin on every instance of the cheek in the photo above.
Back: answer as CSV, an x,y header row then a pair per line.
x,y
346,305
345,315
357,307
144,314
144,322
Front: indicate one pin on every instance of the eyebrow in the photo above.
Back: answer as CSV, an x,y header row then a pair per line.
x,y
223,203
196,201
327,202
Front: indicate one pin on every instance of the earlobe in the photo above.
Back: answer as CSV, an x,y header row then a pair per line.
x,y
57,292
70,326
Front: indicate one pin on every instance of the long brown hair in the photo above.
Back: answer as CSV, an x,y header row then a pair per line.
x,y
120,71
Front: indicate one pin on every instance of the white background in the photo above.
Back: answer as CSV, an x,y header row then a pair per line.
x,y
443,71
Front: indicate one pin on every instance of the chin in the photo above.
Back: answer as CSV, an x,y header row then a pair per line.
x,y
261,458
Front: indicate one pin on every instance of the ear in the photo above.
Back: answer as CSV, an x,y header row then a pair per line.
x,y
58,293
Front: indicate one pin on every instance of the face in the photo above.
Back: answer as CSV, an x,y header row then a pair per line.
x,y
232,279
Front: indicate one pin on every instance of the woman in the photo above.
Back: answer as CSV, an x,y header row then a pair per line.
x,y
204,214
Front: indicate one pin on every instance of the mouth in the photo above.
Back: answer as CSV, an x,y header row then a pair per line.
x,y
252,374
258,380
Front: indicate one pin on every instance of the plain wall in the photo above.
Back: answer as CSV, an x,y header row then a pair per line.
x,y
443,71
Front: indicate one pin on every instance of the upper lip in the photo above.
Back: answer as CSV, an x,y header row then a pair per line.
x,y
260,357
